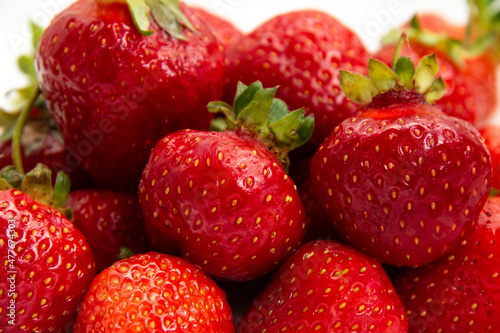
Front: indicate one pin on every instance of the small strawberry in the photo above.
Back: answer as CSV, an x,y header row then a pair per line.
x,y
224,198
327,287
225,30
41,143
469,75
461,291
154,292
302,52
47,265
403,182
491,136
114,89
109,220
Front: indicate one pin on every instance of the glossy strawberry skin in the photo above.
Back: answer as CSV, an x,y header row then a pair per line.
x,y
491,136
109,220
154,292
114,92
225,30
327,287
403,183
470,88
53,261
224,200
303,53
461,291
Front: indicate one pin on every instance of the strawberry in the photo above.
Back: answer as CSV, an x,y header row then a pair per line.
x,y
225,30
491,136
41,143
461,291
154,292
223,198
303,53
114,92
403,182
327,287
47,265
109,220
470,79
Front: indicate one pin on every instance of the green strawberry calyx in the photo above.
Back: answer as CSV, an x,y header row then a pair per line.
x,y
37,184
166,13
257,112
402,75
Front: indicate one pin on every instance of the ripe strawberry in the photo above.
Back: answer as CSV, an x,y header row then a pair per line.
x,y
109,220
41,143
114,92
491,136
223,198
47,266
303,53
461,291
470,79
225,31
403,182
154,292
327,287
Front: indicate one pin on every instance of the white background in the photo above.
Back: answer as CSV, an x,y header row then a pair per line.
x,y
370,19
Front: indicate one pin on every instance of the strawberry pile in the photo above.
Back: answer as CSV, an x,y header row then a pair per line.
x,y
284,180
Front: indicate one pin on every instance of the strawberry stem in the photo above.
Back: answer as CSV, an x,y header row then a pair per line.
x,y
397,51
18,129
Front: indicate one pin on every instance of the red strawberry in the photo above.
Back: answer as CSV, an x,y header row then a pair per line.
x,y
154,292
327,287
303,53
42,144
491,135
403,182
109,220
226,32
461,291
470,80
114,92
223,198
47,266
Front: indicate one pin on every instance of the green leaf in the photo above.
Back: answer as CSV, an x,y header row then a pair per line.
x,y
218,124
405,70
436,91
279,109
415,23
36,34
425,73
38,184
256,113
169,16
382,76
225,109
358,88
25,64
62,187
246,96
11,176
305,132
240,88
140,14
4,185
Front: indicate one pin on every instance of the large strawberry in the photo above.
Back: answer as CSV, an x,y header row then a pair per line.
x,y
109,220
302,52
224,198
327,287
47,266
461,291
114,92
154,292
403,181
469,75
